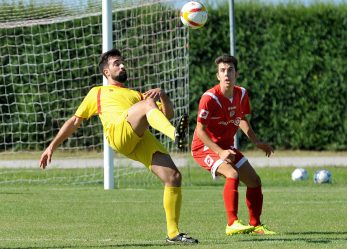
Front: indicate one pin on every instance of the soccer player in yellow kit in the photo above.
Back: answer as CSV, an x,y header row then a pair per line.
x,y
126,115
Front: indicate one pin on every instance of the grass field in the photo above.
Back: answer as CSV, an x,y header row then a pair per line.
x,y
42,215
35,155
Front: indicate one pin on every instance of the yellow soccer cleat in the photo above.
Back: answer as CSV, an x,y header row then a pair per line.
x,y
263,230
238,228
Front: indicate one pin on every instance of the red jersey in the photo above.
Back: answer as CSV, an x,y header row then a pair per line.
x,y
221,115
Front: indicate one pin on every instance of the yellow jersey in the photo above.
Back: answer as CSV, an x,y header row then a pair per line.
x,y
109,102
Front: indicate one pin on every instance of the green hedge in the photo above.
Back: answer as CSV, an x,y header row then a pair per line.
x,y
47,69
293,61
38,64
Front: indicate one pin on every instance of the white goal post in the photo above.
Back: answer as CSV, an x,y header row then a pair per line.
x,y
107,45
49,53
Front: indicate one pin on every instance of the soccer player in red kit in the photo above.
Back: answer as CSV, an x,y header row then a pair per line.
x,y
222,110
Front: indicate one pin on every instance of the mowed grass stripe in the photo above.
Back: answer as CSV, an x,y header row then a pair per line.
x,y
305,215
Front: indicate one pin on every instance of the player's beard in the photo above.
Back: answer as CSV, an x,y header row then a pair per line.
x,y
121,77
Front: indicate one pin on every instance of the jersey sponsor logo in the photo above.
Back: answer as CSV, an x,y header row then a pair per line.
x,y
203,113
232,110
231,121
208,160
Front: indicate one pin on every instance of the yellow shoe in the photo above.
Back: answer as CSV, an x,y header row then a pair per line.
x,y
262,229
237,228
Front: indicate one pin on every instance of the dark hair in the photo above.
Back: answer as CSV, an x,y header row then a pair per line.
x,y
103,61
225,58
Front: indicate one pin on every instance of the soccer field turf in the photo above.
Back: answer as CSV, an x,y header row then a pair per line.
x,y
305,215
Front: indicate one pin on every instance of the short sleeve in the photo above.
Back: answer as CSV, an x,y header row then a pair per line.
x,y
245,105
88,107
206,107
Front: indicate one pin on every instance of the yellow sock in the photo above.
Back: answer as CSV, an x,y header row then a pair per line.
x,y
158,121
172,205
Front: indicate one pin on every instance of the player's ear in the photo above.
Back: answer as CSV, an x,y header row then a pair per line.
x,y
106,72
217,76
237,74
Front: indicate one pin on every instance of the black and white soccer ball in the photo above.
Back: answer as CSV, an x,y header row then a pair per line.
x,y
322,176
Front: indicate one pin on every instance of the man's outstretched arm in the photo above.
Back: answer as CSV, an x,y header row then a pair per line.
x,y
247,129
68,128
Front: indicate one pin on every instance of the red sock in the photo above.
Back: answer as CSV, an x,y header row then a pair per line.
x,y
231,199
254,200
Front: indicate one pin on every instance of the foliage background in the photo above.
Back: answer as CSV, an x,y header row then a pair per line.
x,y
292,60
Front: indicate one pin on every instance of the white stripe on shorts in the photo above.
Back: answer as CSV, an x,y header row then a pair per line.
x,y
215,167
219,162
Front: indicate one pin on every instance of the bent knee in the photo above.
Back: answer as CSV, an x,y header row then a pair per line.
x,y
175,179
257,181
150,103
231,174
254,182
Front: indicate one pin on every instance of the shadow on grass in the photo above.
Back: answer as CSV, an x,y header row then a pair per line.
x,y
15,193
140,245
317,233
320,240
242,239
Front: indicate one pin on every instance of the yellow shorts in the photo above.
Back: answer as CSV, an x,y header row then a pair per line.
x,y
122,138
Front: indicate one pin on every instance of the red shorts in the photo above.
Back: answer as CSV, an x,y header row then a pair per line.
x,y
210,160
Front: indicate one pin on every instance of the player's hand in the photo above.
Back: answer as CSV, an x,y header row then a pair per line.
x,y
154,94
46,158
265,147
227,156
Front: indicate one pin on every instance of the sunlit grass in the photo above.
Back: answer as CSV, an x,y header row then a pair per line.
x,y
61,215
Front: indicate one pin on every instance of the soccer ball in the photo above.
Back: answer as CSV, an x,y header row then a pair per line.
x,y
299,174
194,15
322,176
